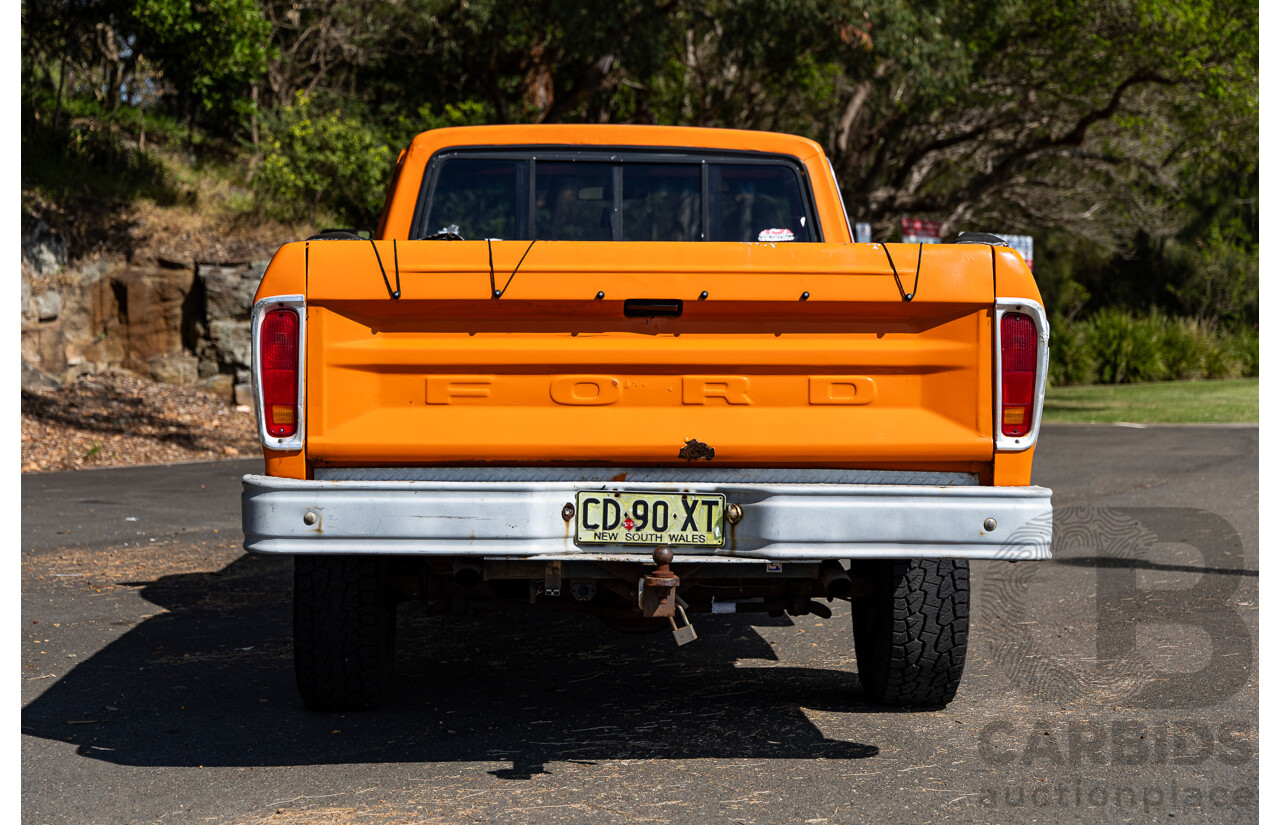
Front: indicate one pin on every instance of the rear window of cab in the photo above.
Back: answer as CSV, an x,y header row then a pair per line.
x,y
576,195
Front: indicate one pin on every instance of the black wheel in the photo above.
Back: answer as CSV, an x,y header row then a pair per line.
x,y
344,631
910,633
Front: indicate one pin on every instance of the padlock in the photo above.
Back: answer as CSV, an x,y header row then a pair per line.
x,y
682,635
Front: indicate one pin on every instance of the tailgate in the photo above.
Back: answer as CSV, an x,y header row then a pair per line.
x,y
798,355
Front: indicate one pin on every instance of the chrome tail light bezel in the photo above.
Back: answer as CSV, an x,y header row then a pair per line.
x,y
1036,312
297,303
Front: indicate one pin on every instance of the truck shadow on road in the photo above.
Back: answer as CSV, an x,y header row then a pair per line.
x,y
210,682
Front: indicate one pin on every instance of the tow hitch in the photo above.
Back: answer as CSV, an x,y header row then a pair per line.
x,y
658,597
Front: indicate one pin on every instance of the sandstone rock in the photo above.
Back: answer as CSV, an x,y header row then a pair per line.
x,y
108,348
44,250
233,342
171,322
222,385
44,347
34,379
244,395
174,369
91,271
207,354
30,346
74,371
150,306
228,290
48,306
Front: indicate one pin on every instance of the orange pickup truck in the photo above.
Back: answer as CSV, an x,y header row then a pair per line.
x,y
642,372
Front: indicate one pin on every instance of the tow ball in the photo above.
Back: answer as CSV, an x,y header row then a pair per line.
x,y
658,597
658,588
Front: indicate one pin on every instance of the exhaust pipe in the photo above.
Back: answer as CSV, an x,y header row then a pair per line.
x,y
467,573
835,580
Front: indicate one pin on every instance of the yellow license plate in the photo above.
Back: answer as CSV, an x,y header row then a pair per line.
x,y
649,519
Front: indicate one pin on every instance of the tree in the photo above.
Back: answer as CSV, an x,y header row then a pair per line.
x,y
77,47
322,46
1069,115
203,55
210,50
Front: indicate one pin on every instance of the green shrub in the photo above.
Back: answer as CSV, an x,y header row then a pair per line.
x,y
321,163
1244,343
1071,356
1223,360
1114,347
1185,347
1127,346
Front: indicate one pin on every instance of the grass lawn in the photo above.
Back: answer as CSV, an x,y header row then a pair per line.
x,y
1161,402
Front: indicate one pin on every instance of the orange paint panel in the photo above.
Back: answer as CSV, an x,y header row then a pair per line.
x,y
286,464
841,389
1013,469
1013,278
986,365
701,390
573,381
580,270
459,389
286,274
645,435
585,390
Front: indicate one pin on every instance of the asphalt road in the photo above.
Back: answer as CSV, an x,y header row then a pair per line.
x,y
1118,682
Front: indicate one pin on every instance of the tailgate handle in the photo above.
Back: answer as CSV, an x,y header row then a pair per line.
x,y
652,307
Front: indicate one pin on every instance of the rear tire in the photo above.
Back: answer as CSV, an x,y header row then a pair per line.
x,y
911,633
344,630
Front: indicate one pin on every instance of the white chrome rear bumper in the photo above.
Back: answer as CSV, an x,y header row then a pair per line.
x,y
522,519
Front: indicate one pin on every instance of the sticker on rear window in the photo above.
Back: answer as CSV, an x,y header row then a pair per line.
x,y
776,235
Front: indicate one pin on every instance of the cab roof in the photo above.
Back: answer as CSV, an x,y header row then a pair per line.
x,y
614,134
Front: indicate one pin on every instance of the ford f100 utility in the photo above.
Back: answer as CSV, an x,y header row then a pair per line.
x,y
645,373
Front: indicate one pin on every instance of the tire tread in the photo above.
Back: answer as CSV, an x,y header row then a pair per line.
x,y
343,632
911,637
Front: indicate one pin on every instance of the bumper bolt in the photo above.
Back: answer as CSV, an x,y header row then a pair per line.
x,y
566,512
310,518
989,525
733,513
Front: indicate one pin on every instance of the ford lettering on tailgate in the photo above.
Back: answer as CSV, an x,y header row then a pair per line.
x,y
648,519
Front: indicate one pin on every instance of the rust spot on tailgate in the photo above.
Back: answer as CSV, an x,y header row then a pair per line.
x,y
693,450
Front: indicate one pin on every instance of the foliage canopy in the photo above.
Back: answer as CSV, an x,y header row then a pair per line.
x,y
1122,133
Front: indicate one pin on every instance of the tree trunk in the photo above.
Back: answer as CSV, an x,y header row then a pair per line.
x,y
62,79
115,77
253,118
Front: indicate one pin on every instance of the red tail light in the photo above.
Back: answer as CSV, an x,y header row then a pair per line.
x,y
278,346
1018,355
